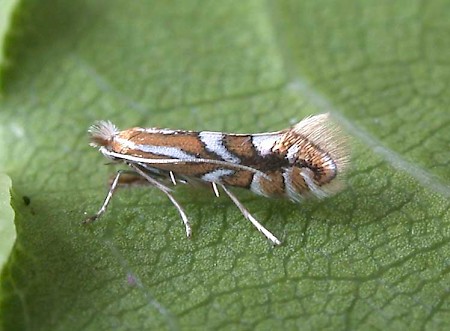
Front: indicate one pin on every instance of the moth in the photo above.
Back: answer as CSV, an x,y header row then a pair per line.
x,y
305,160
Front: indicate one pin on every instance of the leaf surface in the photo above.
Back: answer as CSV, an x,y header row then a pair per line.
x,y
7,229
6,17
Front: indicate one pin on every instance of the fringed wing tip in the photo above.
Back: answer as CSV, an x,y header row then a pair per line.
x,y
101,133
328,136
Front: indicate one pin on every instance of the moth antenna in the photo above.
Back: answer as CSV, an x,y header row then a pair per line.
x,y
102,133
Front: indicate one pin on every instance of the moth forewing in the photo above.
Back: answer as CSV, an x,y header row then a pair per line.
x,y
301,161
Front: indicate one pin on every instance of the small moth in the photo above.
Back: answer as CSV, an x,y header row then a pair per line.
x,y
305,160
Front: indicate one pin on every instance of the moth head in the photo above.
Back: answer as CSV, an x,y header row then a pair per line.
x,y
102,133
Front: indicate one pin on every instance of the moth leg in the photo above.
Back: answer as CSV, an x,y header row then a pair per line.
x,y
112,189
128,178
249,216
172,178
215,189
166,191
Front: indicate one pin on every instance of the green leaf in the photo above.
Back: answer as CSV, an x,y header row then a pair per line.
x,y
375,256
6,11
7,229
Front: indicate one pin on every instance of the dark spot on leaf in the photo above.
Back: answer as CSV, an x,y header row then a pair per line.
x,y
26,200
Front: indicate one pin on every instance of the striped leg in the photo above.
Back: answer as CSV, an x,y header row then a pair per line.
x,y
215,189
166,191
249,216
110,194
